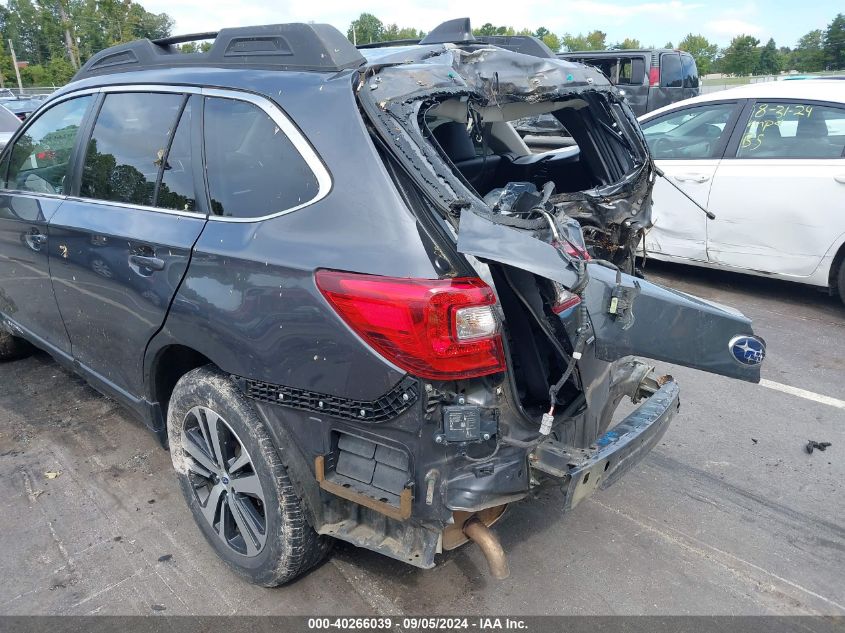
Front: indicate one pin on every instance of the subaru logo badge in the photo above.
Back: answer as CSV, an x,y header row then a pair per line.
x,y
225,480
748,350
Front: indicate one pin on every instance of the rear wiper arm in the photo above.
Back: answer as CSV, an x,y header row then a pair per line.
x,y
660,173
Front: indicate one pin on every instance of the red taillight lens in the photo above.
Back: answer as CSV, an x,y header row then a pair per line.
x,y
439,329
653,76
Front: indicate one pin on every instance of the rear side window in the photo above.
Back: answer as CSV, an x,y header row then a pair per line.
x,y
689,133
690,71
793,130
128,145
670,70
176,190
252,167
39,159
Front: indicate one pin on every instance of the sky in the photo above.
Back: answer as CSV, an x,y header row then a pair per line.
x,y
652,22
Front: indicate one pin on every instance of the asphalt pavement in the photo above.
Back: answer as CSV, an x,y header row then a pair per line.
x,y
728,515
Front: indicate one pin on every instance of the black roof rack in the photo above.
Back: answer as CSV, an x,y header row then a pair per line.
x,y
297,46
525,44
411,42
459,31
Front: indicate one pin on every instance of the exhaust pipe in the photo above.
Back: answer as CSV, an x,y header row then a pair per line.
x,y
478,533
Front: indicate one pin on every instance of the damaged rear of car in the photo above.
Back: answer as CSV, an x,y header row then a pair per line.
x,y
553,235
451,106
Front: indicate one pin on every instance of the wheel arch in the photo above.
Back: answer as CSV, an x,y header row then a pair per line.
x,y
835,267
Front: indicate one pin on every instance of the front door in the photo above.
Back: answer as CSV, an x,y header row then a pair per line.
x,y
120,246
35,171
780,199
687,145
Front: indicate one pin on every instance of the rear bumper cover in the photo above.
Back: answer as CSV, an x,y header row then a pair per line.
x,y
581,472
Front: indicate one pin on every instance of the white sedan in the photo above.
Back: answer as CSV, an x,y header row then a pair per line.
x,y
768,160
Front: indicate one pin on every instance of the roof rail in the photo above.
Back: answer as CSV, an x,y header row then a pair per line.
x,y
296,46
525,44
385,44
181,39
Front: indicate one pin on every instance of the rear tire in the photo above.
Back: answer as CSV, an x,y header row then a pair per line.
x,y
236,485
12,347
841,282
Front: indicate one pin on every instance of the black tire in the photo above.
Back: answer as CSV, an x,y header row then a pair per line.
x,y
841,281
12,347
273,513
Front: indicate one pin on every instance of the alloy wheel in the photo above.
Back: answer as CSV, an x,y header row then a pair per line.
x,y
224,481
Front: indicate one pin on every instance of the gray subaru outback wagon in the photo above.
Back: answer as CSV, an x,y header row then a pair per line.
x,y
342,291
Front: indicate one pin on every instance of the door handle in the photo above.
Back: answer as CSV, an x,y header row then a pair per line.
x,y
147,261
38,239
840,178
692,177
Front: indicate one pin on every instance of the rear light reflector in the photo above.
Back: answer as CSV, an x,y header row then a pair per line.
x,y
653,76
474,323
439,329
564,300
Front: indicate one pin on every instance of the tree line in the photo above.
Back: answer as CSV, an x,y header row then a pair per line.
x,y
55,37
818,50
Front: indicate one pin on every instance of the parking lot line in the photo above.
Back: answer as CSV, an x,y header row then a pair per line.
x,y
803,393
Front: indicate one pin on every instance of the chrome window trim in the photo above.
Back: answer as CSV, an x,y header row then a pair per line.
x,y
308,154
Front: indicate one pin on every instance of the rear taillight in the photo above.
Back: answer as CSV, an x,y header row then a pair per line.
x,y
653,76
564,299
439,329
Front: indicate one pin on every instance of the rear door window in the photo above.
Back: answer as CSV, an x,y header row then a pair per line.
x,y
127,146
793,130
176,189
253,168
40,158
670,71
690,71
690,133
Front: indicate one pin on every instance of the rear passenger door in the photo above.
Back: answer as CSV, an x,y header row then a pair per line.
x,y
121,242
687,143
779,193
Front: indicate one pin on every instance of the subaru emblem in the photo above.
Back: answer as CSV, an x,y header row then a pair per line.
x,y
748,350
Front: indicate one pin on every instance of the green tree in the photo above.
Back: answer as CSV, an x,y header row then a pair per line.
x,y
489,29
808,55
60,70
628,43
365,29
394,32
702,50
834,43
741,57
769,62
549,39
668,45
592,41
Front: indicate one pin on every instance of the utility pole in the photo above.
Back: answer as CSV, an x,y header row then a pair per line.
x,y
15,64
354,36
2,80
68,39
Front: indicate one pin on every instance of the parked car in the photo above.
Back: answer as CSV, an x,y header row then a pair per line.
x,y
8,124
22,108
342,291
768,160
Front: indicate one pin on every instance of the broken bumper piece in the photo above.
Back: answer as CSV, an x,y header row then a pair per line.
x,y
581,472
